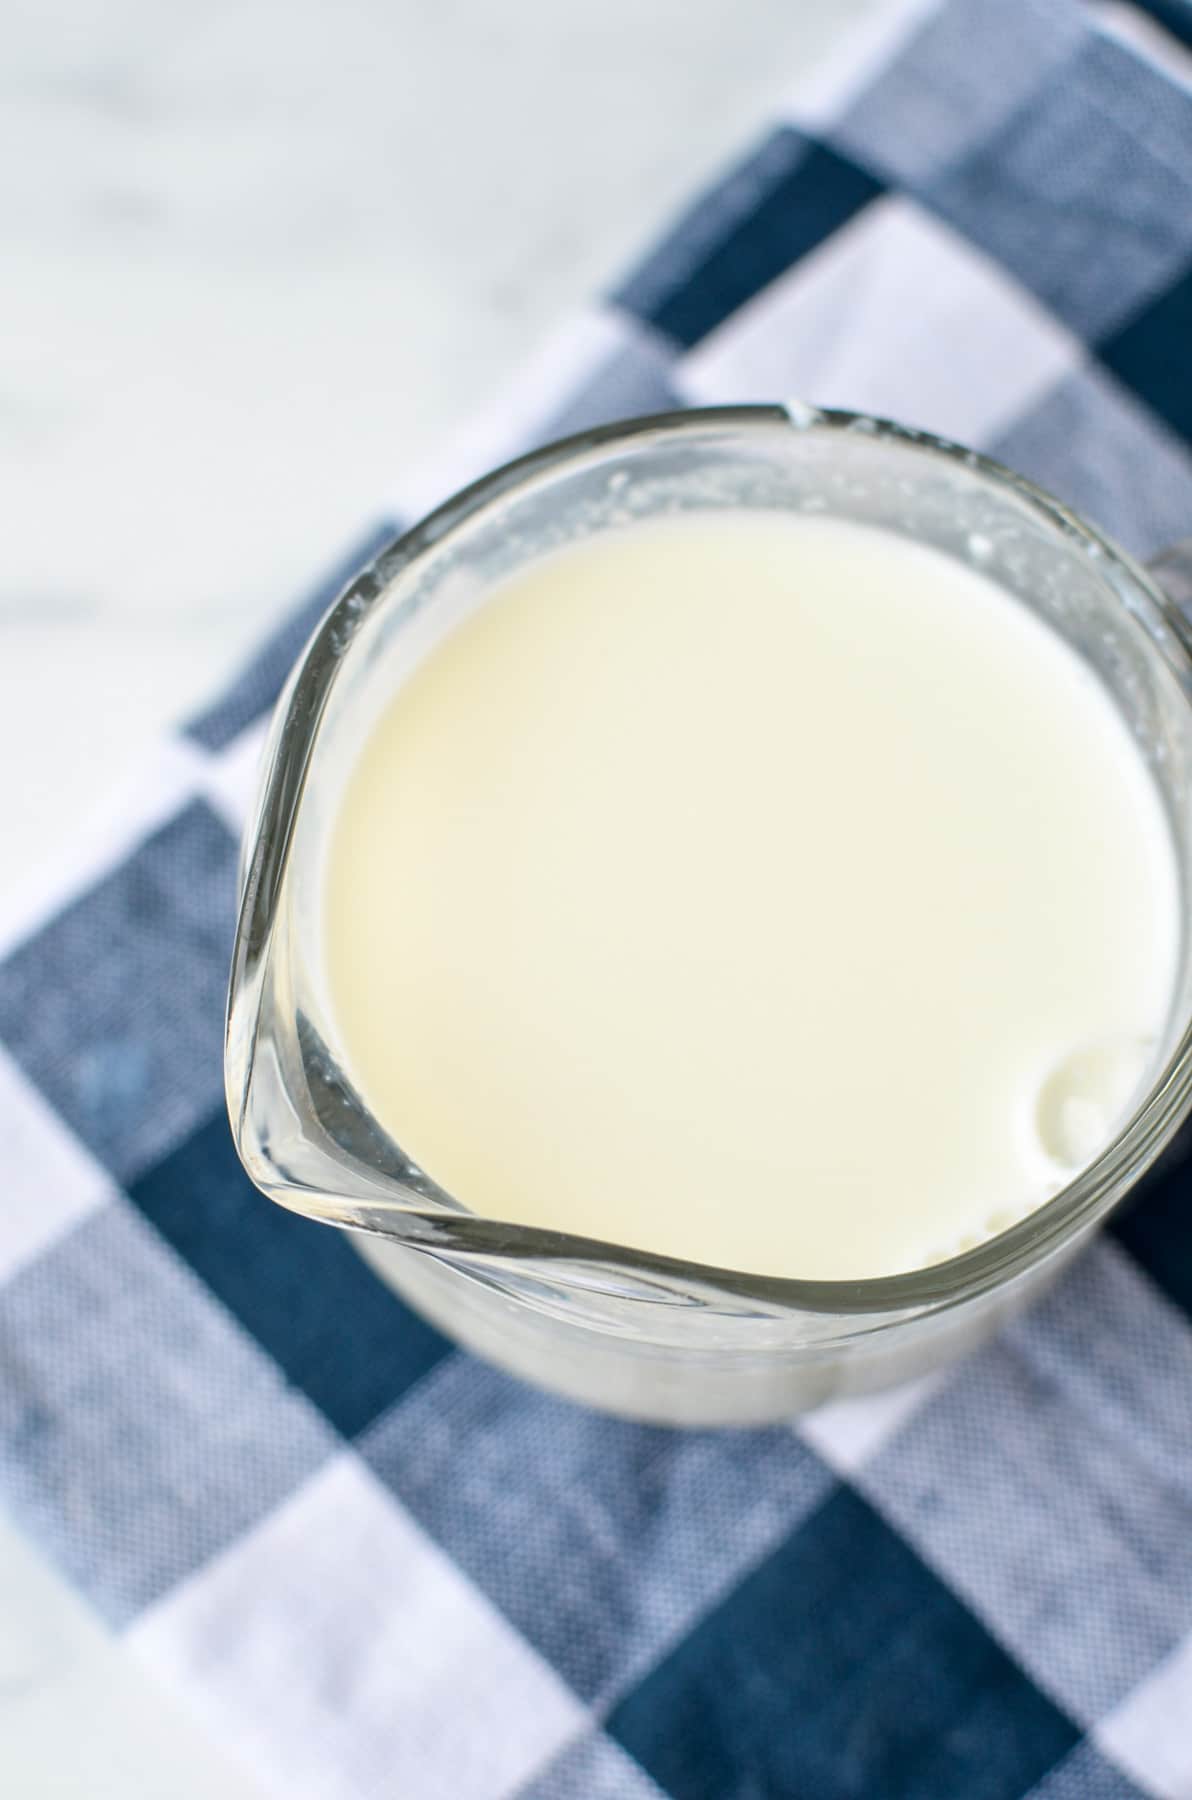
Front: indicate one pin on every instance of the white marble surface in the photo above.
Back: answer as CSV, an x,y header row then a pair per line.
x,y
255,256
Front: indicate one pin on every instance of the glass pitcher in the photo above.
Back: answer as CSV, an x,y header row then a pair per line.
x,y
648,1336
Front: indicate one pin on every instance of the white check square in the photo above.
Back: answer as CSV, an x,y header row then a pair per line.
x,y
897,315
50,1180
230,778
1149,1735
846,1433
344,1654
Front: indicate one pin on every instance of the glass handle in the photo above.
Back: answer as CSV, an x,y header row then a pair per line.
x,y
1172,569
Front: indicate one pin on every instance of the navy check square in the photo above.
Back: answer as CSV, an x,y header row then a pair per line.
x,y
841,1667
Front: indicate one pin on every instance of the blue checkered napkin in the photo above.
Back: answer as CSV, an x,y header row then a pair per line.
x,y
379,1568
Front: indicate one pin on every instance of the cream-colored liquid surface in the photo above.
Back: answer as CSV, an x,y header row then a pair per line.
x,y
762,891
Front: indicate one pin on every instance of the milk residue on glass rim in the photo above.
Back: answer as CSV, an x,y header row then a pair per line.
x,y
769,892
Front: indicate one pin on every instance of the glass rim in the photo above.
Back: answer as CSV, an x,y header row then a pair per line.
x,y
466,1235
